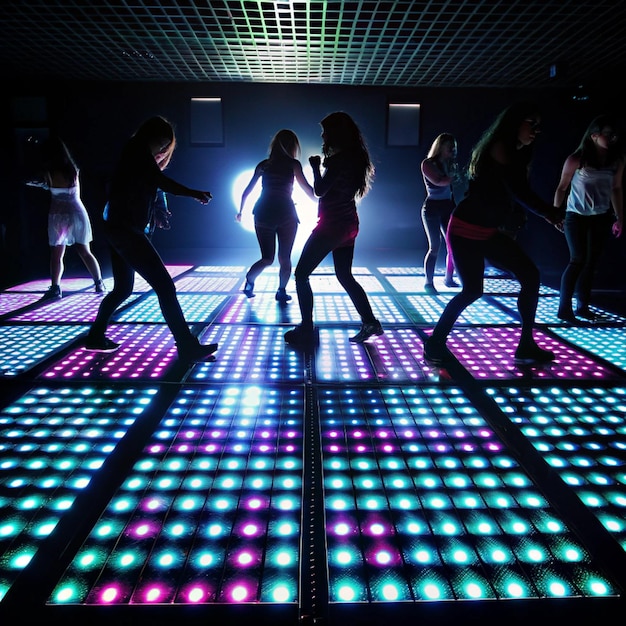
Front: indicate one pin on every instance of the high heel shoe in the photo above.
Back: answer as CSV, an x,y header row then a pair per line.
x,y
248,290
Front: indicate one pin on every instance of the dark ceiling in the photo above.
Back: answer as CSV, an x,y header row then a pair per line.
x,y
438,43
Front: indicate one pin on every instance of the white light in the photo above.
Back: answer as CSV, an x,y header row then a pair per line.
x,y
305,207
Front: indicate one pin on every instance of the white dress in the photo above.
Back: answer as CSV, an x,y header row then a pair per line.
x,y
68,220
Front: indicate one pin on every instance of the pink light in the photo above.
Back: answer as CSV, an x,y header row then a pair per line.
x,y
110,595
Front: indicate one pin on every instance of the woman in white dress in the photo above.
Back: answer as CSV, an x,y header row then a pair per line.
x,y
68,220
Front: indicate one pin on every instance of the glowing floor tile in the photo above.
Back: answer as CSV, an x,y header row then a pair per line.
x,y
581,433
402,271
141,286
262,309
52,442
24,346
339,308
215,284
488,353
499,284
78,307
415,284
10,302
606,343
146,353
423,502
548,307
330,284
392,357
249,354
196,308
68,284
338,360
215,498
428,309
219,269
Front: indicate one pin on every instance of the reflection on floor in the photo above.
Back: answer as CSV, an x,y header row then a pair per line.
x,y
352,483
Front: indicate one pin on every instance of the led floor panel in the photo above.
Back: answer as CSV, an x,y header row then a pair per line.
x,y
210,512
340,484
423,502
52,443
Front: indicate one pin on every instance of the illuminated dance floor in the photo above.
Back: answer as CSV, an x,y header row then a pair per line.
x,y
353,484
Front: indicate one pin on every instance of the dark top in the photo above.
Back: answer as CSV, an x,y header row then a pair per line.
x,y
275,205
338,186
134,188
496,193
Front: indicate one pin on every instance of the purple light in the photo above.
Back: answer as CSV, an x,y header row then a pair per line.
x,y
144,530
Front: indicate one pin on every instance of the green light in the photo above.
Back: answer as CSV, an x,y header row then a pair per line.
x,y
515,590
347,593
598,588
474,590
557,588
68,593
423,556
343,557
281,593
20,561
390,592
432,591
127,559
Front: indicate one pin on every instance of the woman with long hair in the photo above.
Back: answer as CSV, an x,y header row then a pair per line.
x,y
68,220
136,179
275,217
439,171
498,181
348,173
591,180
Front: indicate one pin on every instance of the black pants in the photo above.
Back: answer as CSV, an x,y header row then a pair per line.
x,y
267,237
469,258
586,237
340,241
133,252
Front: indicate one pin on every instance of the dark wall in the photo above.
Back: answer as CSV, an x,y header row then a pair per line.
x,y
96,119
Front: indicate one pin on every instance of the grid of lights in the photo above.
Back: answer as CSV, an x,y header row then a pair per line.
x,y
499,285
146,353
52,442
581,433
24,347
428,309
196,308
548,307
141,286
424,503
250,354
488,353
214,284
393,357
607,343
262,309
215,498
74,308
339,308
10,302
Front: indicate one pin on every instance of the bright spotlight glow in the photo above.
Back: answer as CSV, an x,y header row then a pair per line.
x,y
306,208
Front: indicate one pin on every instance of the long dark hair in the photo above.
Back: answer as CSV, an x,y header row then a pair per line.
x,y
342,134
57,158
505,130
587,148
